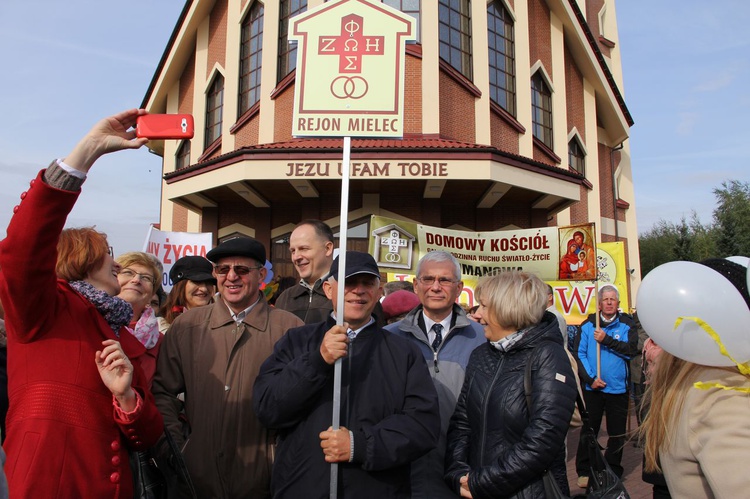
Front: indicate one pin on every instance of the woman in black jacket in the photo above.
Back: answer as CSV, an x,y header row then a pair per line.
x,y
497,447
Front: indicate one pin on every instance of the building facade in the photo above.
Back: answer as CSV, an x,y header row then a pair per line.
x,y
513,117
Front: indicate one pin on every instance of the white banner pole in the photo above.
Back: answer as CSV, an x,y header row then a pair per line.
x,y
343,229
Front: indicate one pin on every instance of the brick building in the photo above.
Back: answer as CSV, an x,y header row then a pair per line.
x,y
513,118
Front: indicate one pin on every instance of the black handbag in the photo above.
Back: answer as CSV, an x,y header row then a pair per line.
x,y
603,482
148,479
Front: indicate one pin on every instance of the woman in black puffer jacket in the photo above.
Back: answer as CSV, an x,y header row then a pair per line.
x,y
497,448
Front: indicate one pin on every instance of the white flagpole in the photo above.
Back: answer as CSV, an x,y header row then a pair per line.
x,y
343,229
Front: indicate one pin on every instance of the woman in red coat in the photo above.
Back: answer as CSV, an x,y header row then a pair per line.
x,y
77,403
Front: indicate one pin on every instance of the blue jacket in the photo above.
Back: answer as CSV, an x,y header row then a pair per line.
x,y
617,348
387,401
447,367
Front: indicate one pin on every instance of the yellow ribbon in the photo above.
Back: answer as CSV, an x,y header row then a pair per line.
x,y
743,367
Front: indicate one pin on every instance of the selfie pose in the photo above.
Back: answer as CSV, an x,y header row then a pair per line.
x,y
77,402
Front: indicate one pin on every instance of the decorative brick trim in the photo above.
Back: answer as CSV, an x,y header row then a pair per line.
x,y
460,78
414,49
507,117
606,42
216,145
547,151
284,83
246,116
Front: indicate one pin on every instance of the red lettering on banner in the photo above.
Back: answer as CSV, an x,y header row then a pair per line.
x,y
153,248
575,298
350,45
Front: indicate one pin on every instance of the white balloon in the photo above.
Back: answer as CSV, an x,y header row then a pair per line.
x,y
742,260
688,289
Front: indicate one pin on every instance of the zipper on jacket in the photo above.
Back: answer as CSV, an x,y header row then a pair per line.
x,y
435,354
485,404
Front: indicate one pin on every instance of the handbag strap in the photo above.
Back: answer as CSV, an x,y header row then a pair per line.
x,y
551,488
180,462
527,392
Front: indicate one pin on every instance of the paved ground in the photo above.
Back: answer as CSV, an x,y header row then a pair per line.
x,y
632,461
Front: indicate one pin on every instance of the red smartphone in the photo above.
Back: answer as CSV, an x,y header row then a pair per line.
x,y
165,126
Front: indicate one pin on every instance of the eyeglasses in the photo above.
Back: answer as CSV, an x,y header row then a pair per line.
x,y
130,274
238,269
429,280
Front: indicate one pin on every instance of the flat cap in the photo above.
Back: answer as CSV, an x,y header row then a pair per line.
x,y
239,246
192,268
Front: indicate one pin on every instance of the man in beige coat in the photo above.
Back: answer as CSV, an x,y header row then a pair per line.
x,y
212,354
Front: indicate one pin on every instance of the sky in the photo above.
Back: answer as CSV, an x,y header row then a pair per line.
x,y
68,64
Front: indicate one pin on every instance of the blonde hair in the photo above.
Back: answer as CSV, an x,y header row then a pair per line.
x,y
513,299
671,381
145,259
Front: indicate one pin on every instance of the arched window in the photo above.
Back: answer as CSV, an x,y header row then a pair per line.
x,y
410,7
541,109
182,157
501,56
454,19
214,110
251,52
287,52
576,156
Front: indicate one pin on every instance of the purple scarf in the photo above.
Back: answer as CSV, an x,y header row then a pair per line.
x,y
116,311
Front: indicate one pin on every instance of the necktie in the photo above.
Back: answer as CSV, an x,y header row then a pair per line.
x,y
438,329
351,334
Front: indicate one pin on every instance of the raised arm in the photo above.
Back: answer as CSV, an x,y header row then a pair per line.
x,y
109,135
29,252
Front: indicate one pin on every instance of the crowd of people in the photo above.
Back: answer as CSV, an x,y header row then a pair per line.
x,y
106,371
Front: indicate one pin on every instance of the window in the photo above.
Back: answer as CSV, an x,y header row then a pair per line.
x,y
454,18
576,156
502,57
251,52
182,158
541,109
214,110
410,7
287,52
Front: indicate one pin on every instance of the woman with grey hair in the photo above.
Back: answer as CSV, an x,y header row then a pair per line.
x,y
500,444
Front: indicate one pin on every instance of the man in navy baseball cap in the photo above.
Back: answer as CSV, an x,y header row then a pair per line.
x,y
389,406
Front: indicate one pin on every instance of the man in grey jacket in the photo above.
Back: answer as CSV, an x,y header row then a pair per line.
x,y
446,338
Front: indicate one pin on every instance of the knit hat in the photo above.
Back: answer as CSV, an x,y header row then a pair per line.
x,y
398,303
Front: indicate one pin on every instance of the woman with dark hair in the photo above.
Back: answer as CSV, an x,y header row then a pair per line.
x,y
500,445
193,285
77,402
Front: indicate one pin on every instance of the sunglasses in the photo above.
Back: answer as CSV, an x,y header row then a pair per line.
x,y
238,269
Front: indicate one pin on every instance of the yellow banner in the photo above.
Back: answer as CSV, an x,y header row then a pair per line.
x,y
575,300
397,246
550,252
